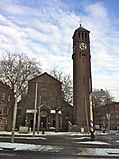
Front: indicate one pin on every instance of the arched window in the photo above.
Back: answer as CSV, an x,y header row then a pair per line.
x,y
84,35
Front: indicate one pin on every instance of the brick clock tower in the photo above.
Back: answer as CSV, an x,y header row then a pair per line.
x,y
82,83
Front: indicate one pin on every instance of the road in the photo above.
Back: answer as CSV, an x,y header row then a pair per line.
x,y
60,147
111,138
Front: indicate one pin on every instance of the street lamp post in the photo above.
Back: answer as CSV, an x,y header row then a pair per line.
x,y
38,124
34,121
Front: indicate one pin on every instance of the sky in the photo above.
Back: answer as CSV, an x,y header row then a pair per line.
x,y
43,29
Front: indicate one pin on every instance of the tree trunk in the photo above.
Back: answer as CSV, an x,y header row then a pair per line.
x,y
9,122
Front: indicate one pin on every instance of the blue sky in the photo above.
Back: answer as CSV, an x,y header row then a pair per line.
x,y
43,29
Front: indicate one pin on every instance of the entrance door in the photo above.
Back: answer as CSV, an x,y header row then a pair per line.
x,y
31,123
43,122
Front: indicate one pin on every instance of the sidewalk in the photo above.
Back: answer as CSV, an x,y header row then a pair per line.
x,y
46,133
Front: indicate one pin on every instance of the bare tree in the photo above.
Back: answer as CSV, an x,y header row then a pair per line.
x,y
66,90
10,65
101,97
67,87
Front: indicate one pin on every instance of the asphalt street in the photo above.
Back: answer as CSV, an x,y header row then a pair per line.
x,y
63,147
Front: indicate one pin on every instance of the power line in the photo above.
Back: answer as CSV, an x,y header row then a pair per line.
x,y
65,11
106,47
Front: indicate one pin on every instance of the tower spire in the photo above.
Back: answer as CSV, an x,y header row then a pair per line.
x,y
80,22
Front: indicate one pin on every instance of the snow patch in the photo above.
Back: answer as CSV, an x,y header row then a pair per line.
x,y
31,147
94,142
98,152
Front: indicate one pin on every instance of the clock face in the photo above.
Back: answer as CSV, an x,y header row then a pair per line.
x,y
83,46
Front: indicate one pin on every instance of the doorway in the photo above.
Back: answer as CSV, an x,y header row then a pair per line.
x,y
43,122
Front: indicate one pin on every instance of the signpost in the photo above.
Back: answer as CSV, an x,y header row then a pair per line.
x,y
108,117
91,119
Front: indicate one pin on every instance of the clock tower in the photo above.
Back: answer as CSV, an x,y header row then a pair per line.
x,y
82,83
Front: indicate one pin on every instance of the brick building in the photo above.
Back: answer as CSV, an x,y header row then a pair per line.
x,y
6,102
44,93
101,119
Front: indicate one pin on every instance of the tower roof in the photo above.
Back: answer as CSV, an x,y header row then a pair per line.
x,y
82,29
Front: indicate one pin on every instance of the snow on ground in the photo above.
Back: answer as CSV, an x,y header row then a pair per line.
x,y
25,137
49,148
40,133
93,142
30,147
98,152
89,142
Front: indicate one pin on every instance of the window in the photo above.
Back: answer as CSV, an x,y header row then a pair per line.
x,y
83,59
85,35
82,35
45,94
1,109
79,35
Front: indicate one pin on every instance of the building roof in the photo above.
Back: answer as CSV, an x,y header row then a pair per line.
x,y
45,74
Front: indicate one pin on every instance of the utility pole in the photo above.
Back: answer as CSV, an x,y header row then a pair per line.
x,y
38,124
15,104
34,121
